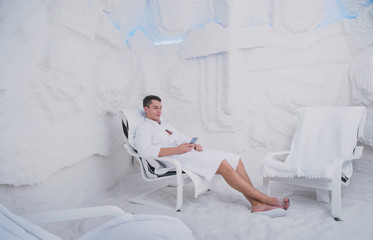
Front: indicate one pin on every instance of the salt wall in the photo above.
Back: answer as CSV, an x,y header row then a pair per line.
x,y
233,73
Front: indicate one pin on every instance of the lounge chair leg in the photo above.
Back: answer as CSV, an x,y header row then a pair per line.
x,y
179,189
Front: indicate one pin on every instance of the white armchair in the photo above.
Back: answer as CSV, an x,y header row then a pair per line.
x,y
323,146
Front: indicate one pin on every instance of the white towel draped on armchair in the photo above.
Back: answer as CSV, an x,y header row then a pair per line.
x,y
324,134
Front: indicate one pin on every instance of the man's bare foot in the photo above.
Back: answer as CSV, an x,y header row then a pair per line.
x,y
285,203
279,202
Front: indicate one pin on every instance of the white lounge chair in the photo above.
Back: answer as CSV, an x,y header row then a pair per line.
x,y
123,226
323,146
152,169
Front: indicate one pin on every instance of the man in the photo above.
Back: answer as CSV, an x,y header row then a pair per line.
x,y
155,138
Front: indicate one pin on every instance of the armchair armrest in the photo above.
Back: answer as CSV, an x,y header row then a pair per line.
x,y
273,155
357,153
70,214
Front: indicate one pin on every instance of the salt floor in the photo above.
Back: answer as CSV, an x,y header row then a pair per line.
x,y
223,213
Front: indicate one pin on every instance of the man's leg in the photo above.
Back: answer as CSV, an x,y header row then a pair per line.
x,y
240,169
240,181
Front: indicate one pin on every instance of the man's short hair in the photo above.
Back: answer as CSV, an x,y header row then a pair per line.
x,y
148,100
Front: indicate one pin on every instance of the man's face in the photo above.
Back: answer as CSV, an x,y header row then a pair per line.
x,y
154,111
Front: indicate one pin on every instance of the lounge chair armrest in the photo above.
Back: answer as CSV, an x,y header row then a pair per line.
x,y
173,161
70,214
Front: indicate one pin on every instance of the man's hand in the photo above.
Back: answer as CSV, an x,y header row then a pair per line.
x,y
184,148
198,147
